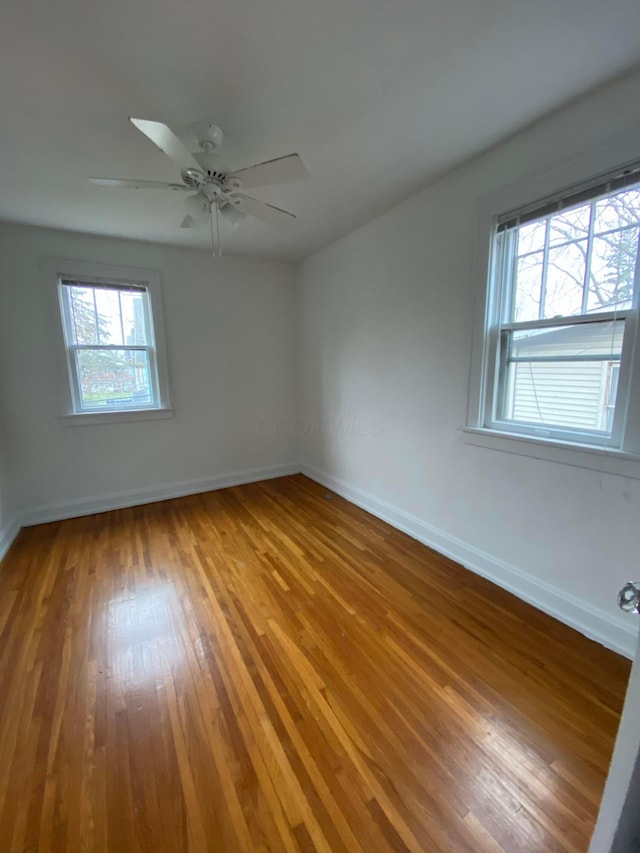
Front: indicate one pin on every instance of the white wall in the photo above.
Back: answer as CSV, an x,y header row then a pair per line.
x,y
8,523
230,339
385,336
4,508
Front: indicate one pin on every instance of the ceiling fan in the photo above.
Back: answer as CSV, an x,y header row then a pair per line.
x,y
217,191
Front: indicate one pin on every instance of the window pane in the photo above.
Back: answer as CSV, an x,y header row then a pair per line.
x,y
83,315
134,321
528,287
531,237
565,280
560,394
114,378
105,316
602,339
109,320
613,267
570,225
617,211
564,376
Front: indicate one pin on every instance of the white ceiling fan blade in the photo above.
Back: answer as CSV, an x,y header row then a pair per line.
x,y
166,140
282,170
136,185
261,210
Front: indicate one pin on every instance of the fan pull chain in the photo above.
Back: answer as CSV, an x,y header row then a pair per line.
x,y
218,233
213,244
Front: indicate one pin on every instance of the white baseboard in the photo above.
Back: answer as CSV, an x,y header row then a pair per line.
x,y
135,497
584,617
8,534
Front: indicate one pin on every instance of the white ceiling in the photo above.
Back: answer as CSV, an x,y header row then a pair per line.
x,y
377,96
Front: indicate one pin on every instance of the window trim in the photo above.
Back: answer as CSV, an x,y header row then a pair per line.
x,y
606,460
477,429
56,269
122,416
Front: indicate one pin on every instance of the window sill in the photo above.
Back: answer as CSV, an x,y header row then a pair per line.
x,y
98,418
603,459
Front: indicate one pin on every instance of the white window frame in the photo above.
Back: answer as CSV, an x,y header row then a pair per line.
x,y
621,454
72,414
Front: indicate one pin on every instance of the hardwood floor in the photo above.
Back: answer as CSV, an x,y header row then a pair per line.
x,y
268,667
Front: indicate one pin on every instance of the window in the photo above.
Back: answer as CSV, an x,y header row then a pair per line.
x,y
110,328
561,316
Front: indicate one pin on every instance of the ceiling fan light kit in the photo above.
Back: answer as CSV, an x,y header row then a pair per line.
x,y
197,206
217,191
232,215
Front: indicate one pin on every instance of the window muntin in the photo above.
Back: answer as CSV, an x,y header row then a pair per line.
x,y
108,332
564,296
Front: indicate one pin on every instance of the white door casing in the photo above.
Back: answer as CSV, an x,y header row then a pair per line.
x,y
618,826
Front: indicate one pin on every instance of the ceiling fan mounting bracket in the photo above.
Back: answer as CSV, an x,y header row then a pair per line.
x,y
208,136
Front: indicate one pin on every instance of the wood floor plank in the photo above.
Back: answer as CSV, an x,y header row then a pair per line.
x,y
269,668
